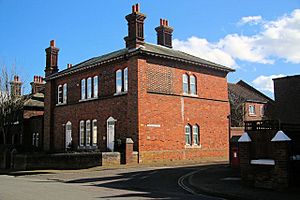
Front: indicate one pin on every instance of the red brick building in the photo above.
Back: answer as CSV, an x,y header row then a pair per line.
x,y
173,105
248,104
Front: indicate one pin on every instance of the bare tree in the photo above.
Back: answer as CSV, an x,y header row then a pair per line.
x,y
10,106
236,109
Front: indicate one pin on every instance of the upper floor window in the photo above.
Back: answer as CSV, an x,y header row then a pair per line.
x,y
119,81
122,80
95,83
189,84
83,89
62,94
193,85
89,88
252,110
125,79
185,82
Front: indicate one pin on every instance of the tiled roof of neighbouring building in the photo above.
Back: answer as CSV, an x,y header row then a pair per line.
x,y
247,93
147,49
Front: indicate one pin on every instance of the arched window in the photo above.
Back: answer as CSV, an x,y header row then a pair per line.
x,y
68,135
119,81
185,83
196,135
193,88
188,139
81,133
88,132
95,132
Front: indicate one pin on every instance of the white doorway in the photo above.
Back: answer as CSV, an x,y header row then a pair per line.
x,y
110,133
68,144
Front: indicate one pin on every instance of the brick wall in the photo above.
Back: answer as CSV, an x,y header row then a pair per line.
x,y
287,97
254,117
164,112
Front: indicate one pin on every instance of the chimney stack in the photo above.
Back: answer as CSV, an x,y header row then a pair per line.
x,y
15,86
135,21
164,33
69,66
51,59
37,85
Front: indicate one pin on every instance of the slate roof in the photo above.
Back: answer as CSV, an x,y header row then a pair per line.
x,y
35,100
247,92
147,49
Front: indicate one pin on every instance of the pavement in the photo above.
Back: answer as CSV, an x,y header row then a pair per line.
x,y
225,182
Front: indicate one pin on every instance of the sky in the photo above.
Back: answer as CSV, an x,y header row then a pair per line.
x,y
260,39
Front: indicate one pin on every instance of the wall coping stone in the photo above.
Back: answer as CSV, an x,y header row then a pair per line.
x,y
245,138
280,137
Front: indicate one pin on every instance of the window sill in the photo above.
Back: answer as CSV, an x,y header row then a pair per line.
x,y
120,93
194,146
189,95
89,99
252,115
87,147
61,104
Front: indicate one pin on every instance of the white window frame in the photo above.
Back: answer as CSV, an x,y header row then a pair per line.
x,y
59,94
196,135
188,134
64,91
95,86
81,133
252,110
193,85
95,133
89,87
88,132
125,78
185,83
37,139
119,81
83,89
33,139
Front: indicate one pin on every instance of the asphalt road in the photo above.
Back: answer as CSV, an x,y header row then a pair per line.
x,y
127,183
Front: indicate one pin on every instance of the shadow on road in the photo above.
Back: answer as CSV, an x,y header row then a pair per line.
x,y
158,184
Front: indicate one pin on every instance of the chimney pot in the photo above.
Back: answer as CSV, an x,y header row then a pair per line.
x,y
69,66
52,43
137,7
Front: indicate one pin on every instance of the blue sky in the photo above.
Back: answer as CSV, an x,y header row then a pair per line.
x,y
260,39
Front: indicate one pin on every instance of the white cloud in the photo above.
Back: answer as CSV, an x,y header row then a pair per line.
x,y
265,83
202,48
278,39
250,20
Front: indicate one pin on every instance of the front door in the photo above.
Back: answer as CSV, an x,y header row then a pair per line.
x,y
68,135
110,134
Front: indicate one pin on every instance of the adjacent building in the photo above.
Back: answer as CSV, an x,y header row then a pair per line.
x,y
171,104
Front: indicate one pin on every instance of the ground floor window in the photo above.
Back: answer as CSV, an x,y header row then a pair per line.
x,y
35,139
192,135
88,135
